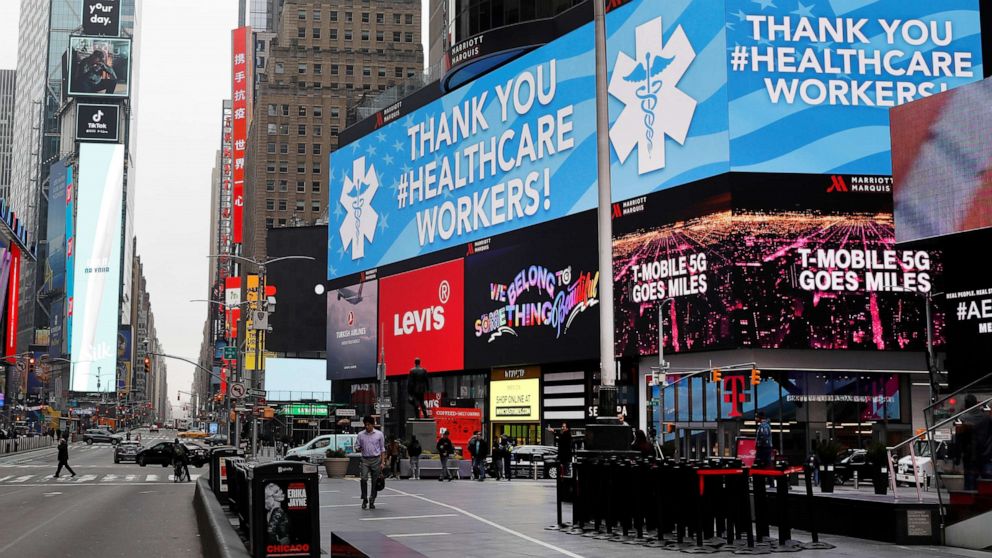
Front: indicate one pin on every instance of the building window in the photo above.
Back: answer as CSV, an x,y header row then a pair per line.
x,y
409,19
270,147
284,167
334,34
397,19
334,15
365,34
270,167
302,15
316,149
366,71
301,33
411,72
334,130
301,149
365,17
335,112
318,111
315,187
284,148
272,110
299,205
396,36
348,17
334,69
315,206
301,130
317,131
317,69
280,68
380,18
347,34
380,36
382,71
282,222
316,15
315,32
270,204
301,167
268,222
301,68
301,187
301,110
284,129
316,168
399,72
408,36
283,185
270,185
271,129
282,205
285,110
349,70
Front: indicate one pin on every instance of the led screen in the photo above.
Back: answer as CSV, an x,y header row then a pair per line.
x,y
352,331
99,67
97,267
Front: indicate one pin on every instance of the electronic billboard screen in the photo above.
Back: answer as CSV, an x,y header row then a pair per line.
x,y
774,269
533,296
99,67
97,252
352,331
299,324
942,163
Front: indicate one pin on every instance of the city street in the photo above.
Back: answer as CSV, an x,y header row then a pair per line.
x,y
464,519
106,510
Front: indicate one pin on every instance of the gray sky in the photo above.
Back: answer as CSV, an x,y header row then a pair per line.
x,y
180,89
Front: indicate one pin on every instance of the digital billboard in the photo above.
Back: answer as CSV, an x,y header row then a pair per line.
x,y
99,67
299,324
352,331
102,17
242,97
942,163
967,303
783,262
811,83
97,267
420,316
55,276
533,296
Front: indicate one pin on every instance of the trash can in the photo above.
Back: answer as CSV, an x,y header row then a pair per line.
x,y
285,510
218,470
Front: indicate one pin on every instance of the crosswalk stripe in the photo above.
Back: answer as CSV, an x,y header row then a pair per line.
x,y
109,478
151,478
5,478
22,479
86,478
130,478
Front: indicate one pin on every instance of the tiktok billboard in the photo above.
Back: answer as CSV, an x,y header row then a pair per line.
x,y
420,316
533,296
772,261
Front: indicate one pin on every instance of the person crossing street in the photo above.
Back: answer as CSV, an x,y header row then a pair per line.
x,y
63,458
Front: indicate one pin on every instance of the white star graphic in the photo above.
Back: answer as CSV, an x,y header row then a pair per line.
x,y
765,4
388,159
381,137
803,11
398,146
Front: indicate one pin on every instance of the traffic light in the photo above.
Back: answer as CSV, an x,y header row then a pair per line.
x,y
755,376
669,427
715,375
31,360
148,364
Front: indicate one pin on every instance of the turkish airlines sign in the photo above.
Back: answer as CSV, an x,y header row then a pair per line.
x,y
421,315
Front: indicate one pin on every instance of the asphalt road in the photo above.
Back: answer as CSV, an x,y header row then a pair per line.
x,y
107,510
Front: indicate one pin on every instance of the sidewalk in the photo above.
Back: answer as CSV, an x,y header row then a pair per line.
x,y
507,519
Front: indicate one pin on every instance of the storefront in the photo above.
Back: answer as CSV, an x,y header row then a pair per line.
x,y
515,404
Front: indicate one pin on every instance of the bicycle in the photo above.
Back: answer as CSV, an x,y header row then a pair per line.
x,y
179,471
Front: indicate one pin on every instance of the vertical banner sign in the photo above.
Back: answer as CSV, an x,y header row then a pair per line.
x,y
253,338
224,237
56,277
70,252
94,339
241,110
13,299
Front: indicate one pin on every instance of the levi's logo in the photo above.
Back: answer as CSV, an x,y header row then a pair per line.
x,y
837,184
419,321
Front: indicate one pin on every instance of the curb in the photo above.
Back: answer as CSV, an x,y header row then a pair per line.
x,y
217,536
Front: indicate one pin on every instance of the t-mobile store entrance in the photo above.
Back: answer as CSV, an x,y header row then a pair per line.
x,y
514,404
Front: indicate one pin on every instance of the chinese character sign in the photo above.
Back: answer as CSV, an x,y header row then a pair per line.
x,y
241,80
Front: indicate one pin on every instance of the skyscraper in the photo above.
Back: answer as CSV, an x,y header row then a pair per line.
x,y
8,80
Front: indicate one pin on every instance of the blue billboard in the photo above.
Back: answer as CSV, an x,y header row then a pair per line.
x,y
55,272
812,82
99,197
696,88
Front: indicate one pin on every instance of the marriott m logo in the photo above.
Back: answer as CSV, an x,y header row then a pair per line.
x,y
837,184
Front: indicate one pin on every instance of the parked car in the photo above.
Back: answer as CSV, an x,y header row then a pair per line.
x,y
924,463
522,462
126,451
101,435
199,454
216,440
153,428
316,449
851,461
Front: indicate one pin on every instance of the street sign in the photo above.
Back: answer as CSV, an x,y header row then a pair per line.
x,y
345,412
237,390
230,353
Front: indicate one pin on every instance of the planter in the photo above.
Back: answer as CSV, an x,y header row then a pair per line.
x,y
826,478
880,481
336,467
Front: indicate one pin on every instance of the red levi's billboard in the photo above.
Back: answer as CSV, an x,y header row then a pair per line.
x,y
421,314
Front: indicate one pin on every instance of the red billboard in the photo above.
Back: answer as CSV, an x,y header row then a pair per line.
x,y
241,105
461,423
421,315
13,301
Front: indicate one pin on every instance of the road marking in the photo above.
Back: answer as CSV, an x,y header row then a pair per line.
x,y
22,479
86,478
61,485
39,526
399,535
5,478
408,517
130,478
341,506
492,524
329,491
51,493
388,496
151,478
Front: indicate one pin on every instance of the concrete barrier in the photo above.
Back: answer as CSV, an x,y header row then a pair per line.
x,y
217,536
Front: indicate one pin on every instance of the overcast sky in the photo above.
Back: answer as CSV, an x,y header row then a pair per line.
x,y
181,86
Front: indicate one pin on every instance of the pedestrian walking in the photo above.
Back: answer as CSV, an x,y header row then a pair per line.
x,y
414,450
445,449
479,449
372,445
506,452
763,442
563,439
393,457
63,459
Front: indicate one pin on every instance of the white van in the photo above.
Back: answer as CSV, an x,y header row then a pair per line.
x,y
315,450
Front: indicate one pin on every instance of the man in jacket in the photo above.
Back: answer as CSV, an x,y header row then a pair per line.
x,y
479,450
506,452
445,449
63,459
414,450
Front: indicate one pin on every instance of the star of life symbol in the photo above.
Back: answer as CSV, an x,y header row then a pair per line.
x,y
654,106
361,219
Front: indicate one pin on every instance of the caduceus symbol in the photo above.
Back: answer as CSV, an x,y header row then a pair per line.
x,y
647,75
358,202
